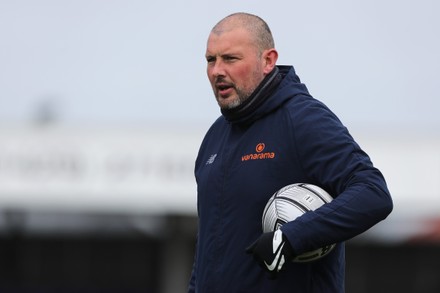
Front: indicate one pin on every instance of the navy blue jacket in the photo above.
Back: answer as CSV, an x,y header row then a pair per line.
x,y
290,138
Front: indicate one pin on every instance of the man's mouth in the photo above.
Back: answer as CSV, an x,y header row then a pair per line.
x,y
224,89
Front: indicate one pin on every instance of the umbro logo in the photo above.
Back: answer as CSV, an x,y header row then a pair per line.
x,y
277,262
277,248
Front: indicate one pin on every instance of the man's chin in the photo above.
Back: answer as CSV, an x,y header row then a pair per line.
x,y
228,103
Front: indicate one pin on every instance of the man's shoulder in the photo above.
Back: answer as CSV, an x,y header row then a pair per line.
x,y
303,104
217,125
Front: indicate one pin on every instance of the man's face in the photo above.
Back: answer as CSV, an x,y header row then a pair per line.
x,y
235,68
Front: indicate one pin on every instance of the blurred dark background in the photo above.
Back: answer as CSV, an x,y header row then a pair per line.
x,y
143,262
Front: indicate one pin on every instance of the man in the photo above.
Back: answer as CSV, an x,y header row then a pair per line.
x,y
265,109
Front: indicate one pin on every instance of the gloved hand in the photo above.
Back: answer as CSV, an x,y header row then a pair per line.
x,y
271,250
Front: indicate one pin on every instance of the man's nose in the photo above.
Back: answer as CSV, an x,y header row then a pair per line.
x,y
218,69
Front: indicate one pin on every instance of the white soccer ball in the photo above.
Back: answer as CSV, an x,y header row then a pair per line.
x,y
290,202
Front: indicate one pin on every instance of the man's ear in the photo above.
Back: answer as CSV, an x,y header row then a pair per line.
x,y
270,57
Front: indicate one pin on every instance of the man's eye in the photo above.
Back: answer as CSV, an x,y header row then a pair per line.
x,y
229,58
210,59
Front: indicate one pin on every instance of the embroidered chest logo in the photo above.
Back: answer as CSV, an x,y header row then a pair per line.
x,y
259,154
211,159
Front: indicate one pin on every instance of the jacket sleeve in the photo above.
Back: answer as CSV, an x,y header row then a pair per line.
x,y
192,281
331,159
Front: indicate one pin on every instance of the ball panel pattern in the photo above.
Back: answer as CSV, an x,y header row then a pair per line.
x,y
289,203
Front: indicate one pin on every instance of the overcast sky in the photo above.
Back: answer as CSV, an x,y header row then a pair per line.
x,y
375,63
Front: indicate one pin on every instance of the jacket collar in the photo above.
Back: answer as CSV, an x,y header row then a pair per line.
x,y
280,85
264,90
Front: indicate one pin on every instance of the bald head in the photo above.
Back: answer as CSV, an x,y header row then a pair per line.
x,y
256,26
239,53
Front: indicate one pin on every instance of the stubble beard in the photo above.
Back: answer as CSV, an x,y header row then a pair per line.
x,y
241,95
239,98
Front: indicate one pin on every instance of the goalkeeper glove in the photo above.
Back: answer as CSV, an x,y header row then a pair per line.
x,y
271,250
